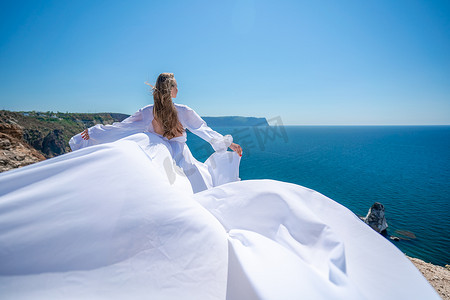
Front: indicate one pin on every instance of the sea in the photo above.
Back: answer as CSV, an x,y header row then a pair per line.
x,y
406,168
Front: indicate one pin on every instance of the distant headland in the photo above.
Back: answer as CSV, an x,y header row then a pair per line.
x,y
235,121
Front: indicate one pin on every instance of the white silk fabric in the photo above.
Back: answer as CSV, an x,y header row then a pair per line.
x,y
118,220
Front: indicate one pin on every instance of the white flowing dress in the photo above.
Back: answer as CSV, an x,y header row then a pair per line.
x,y
108,222
219,168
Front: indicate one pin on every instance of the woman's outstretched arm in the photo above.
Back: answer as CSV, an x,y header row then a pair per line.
x,y
195,124
100,134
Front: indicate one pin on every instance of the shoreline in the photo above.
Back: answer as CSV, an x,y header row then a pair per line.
x,y
437,276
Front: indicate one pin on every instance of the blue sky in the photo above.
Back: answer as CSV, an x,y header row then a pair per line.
x,y
365,62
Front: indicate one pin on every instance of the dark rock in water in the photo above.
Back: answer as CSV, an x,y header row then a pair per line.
x,y
395,238
375,218
406,233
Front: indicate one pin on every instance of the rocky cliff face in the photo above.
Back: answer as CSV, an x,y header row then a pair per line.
x,y
14,151
50,144
29,137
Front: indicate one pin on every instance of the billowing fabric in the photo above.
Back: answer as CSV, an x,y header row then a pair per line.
x,y
106,222
118,220
218,169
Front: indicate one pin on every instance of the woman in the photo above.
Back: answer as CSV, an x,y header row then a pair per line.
x,y
169,121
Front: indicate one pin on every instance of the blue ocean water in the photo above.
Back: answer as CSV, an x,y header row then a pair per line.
x,y
406,168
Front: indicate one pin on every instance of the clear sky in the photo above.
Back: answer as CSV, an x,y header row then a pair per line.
x,y
364,62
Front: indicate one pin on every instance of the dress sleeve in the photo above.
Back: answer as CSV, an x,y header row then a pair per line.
x,y
195,124
100,134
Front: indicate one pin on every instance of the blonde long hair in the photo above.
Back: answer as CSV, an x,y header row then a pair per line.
x,y
164,110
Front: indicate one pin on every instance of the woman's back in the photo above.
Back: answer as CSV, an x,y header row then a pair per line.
x,y
158,128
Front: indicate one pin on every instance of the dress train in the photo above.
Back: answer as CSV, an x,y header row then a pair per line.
x,y
120,221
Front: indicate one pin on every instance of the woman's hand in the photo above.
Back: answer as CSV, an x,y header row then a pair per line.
x,y
236,148
85,134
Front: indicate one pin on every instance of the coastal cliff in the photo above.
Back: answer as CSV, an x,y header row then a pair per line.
x,y
29,137
15,152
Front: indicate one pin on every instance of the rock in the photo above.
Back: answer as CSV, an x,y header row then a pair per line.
x,y
406,233
15,153
53,143
50,145
34,138
12,130
395,238
375,218
5,144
